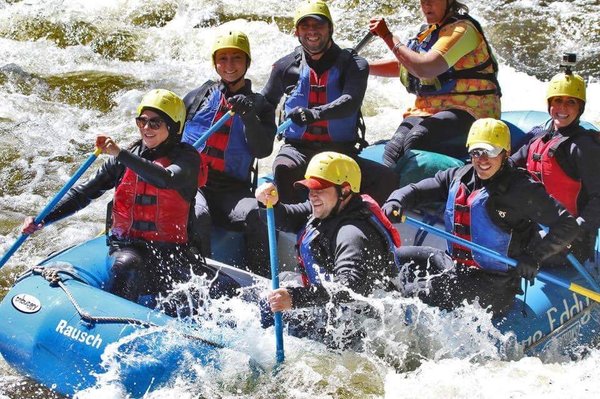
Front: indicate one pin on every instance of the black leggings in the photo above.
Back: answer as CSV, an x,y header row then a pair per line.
x,y
445,133
437,281
141,271
141,268
234,209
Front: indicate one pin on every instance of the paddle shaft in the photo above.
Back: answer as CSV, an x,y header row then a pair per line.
x,y
198,143
543,276
48,208
280,355
365,40
577,265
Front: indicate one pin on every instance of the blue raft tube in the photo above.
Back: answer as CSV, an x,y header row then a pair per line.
x,y
56,331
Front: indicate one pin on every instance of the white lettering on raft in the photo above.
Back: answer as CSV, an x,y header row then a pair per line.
x,y
555,320
93,340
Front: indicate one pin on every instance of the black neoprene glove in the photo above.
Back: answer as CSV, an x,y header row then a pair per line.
x,y
393,210
527,267
241,104
303,116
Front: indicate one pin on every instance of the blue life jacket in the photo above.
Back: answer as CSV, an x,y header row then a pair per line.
x,y
226,150
481,229
305,94
312,272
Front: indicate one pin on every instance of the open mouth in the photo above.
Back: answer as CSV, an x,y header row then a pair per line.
x,y
483,167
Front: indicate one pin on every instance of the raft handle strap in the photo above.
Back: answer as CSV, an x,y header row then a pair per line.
x,y
53,276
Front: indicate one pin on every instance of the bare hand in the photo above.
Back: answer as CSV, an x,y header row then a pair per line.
x,y
267,193
30,227
107,145
280,300
378,27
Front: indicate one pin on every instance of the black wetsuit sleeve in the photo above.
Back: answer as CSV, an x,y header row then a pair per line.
x,y
282,73
259,127
585,154
532,201
353,92
519,158
81,195
185,162
291,217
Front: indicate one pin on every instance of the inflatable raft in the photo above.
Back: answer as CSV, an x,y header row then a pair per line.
x,y
58,322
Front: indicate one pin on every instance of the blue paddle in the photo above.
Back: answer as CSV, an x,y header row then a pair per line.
x,y
284,126
577,265
202,139
543,276
39,218
280,356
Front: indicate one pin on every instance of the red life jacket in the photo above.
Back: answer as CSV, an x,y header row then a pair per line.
x,y
213,154
542,163
143,211
317,131
462,225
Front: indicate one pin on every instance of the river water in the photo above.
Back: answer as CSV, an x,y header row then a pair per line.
x,y
71,69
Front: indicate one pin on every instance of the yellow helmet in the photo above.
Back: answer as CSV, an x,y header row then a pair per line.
x,y
232,39
312,8
331,168
569,85
168,104
489,133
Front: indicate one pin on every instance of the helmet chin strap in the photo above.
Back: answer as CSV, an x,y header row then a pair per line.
x,y
341,198
232,83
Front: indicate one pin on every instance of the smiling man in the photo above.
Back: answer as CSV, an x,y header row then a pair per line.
x,y
490,203
344,237
324,87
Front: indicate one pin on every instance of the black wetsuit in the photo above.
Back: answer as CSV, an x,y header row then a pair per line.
x,y
228,201
291,161
516,204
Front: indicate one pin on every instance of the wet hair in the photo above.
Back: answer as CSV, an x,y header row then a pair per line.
x,y
457,7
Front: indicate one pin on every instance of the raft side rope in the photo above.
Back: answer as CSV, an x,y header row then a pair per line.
x,y
52,275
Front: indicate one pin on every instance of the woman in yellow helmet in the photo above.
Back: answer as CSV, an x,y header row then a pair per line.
x,y
225,197
565,156
451,69
490,203
155,183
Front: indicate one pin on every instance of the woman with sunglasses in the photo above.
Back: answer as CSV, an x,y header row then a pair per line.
x,y
225,197
155,181
490,203
450,67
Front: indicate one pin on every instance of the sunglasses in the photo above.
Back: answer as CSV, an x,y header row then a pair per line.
x,y
480,152
152,123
